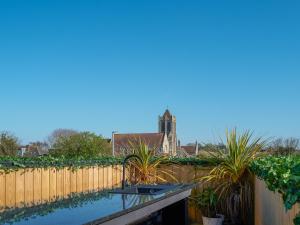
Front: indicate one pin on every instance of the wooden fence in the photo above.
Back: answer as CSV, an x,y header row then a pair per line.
x,y
269,207
36,186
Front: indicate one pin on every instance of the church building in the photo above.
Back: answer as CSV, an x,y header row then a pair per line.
x,y
164,141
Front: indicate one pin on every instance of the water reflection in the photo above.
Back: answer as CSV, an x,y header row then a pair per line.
x,y
29,210
79,208
133,200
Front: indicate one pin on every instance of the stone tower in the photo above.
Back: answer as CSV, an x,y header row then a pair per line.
x,y
167,125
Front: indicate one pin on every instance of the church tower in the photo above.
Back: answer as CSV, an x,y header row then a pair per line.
x,y
167,125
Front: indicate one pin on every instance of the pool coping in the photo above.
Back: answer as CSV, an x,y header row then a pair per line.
x,y
135,213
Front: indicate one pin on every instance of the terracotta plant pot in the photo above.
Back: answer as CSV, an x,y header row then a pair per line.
x,y
212,221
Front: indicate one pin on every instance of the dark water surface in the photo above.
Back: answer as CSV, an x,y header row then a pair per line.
x,y
80,208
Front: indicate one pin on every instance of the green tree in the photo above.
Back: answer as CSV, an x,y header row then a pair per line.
x,y
84,144
9,144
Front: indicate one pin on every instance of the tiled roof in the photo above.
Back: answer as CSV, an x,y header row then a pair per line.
x,y
190,149
153,140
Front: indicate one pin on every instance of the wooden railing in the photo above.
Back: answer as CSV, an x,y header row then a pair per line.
x,y
269,207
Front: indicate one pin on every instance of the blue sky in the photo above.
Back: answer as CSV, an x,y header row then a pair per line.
x,y
116,65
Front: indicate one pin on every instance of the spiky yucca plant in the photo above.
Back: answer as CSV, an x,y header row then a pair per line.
x,y
231,173
148,170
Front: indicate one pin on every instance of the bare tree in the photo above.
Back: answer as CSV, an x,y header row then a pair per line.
x,y
37,148
282,146
58,133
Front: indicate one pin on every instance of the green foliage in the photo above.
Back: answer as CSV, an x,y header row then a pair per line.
x,y
15,163
147,168
207,201
231,173
282,174
84,144
9,144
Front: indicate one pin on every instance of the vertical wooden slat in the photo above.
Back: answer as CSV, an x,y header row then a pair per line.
x,y
115,176
73,181
79,180
29,184
85,179
96,178
91,179
2,189
60,183
119,175
37,186
109,177
105,181
10,188
45,185
52,184
67,182
20,188
101,178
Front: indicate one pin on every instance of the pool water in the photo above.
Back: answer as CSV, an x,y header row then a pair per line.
x,y
77,208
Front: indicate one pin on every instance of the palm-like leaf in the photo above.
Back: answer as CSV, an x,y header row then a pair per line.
x,y
231,172
148,169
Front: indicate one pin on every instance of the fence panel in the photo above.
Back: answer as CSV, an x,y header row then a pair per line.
x,y
269,207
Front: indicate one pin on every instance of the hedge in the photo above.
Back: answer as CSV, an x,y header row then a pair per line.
x,y
15,163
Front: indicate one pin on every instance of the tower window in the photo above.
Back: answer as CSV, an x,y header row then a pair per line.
x,y
169,127
163,127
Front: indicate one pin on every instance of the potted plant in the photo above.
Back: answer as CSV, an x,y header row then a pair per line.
x,y
148,169
233,176
207,201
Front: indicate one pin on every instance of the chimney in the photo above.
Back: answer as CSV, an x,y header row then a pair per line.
x,y
196,150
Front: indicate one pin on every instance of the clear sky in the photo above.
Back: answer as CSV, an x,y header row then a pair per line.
x,y
116,65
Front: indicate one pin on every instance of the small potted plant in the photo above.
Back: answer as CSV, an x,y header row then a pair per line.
x,y
207,201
